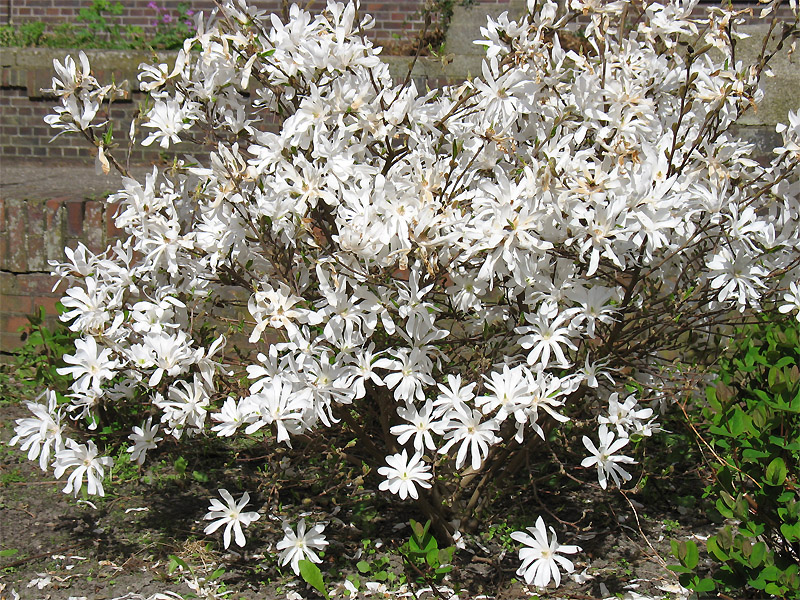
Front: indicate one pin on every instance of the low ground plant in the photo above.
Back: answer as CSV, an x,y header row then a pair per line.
x,y
452,291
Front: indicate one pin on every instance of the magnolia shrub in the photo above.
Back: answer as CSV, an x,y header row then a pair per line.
x,y
448,275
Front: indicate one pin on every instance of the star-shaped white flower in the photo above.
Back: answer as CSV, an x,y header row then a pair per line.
x,y
605,458
540,558
231,516
296,547
404,475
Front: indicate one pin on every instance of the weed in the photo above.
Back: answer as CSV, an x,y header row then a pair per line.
x,y
11,477
670,526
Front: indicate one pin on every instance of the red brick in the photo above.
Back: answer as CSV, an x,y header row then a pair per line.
x,y
51,213
8,285
93,226
12,323
74,217
48,302
10,342
111,228
10,304
35,236
36,284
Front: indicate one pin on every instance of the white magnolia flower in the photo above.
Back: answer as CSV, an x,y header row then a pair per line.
x,y
91,368
230,515
144,438
736,275
627,416
86,463
420,424
540,557
792,298
301,546
474,435
548,331
169,119
607,462
404,475
41,434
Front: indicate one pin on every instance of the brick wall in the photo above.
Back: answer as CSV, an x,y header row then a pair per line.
x,y
31,234
393,18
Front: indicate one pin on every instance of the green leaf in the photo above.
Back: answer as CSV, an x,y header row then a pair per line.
x,y
791,532
691,556
175,562
312,576
9,552
446,555
713,548
776,472
363,566
751,454
757,554
738,422
180,465
703,585
679,569
432,558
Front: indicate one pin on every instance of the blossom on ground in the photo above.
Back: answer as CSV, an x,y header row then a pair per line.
x,y
231,515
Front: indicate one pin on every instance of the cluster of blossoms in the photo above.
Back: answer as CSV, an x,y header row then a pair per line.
x,y
461,269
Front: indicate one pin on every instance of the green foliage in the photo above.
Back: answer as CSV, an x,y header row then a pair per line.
x,y
98,26
423,554
688,555
374,567
24,35
42,352
751,426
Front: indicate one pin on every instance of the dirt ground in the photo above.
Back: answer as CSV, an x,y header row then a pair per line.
x,y
54,547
